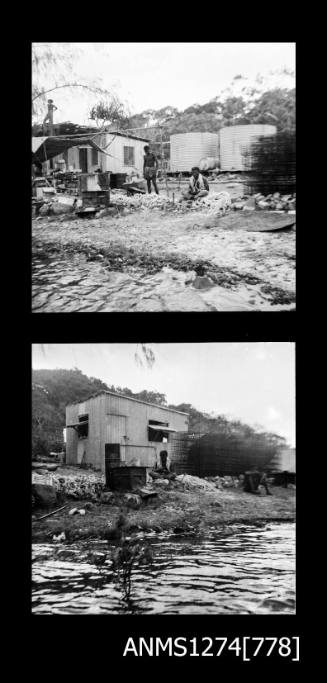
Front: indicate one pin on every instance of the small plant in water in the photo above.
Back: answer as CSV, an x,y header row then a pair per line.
x,y
127,555
125,558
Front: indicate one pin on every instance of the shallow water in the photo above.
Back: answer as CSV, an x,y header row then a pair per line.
x,y
242,570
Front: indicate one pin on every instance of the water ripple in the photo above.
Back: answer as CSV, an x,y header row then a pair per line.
x,y
249,570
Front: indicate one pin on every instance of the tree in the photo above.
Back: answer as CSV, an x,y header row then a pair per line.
x,y
110,111
54,69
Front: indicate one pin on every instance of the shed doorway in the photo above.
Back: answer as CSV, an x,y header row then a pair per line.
x,y
83,159
112,454
112,458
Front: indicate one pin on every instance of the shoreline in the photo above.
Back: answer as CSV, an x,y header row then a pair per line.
x,y
190,513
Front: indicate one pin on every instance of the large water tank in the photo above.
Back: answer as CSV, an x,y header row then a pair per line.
x,y
234,141
208,163
187,150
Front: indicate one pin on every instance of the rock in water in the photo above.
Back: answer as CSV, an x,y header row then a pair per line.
x,y
202,282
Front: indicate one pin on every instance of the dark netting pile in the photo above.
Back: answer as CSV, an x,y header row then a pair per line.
x,y
270,164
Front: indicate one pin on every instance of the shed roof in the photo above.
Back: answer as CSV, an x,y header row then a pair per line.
x,y
130,398
44,148
125,135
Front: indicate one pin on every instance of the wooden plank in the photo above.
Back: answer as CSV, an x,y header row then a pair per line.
x,y
50,513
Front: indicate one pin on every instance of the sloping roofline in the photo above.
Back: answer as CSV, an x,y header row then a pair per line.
x,y
95,133
130,398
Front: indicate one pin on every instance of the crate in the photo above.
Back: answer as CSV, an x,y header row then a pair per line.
x,y
125,478
96,199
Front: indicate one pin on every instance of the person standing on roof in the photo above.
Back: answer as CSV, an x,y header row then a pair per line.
x,y
150,167
49,117
198,186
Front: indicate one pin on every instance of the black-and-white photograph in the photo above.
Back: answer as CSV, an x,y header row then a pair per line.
x,y
163,478
163,177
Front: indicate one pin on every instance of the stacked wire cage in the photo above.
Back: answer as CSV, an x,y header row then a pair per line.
x,y
270,164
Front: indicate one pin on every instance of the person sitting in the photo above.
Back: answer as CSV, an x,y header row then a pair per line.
x,y
198,186
253,479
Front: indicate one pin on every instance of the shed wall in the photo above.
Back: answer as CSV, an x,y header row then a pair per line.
x,y
113,419
114,163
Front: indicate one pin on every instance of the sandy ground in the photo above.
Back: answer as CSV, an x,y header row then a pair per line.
x,y
145,260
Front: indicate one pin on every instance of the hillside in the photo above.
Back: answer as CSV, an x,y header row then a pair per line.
x,y
52,390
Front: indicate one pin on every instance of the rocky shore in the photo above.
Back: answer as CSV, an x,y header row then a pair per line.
x,y
184,505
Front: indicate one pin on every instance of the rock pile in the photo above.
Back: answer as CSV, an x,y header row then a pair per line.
x,y
270,202
276,201
214,202
226,481
189,482
73,484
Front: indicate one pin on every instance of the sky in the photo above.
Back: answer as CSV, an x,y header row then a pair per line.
x,y
253,382
155,75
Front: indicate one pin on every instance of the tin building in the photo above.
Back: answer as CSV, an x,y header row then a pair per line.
x,y
111,430
119,153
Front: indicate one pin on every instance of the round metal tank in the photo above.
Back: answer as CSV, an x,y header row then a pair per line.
x,y
209,163
235,140
187,150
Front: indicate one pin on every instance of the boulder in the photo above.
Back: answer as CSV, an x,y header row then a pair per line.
x,y
44,210
262,204
161,482
107,497
45,496
58,209
132,500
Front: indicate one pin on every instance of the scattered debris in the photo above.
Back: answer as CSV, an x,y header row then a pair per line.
x,y
73,511
145,494
59,538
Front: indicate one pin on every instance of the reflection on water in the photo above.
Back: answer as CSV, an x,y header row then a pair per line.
x,y
245,570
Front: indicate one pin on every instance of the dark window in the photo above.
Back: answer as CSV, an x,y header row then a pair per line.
x,y
95,157
157,431
83,427
129,156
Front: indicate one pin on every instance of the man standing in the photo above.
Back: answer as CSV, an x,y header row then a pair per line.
x,y
150,167
49,116
198,186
